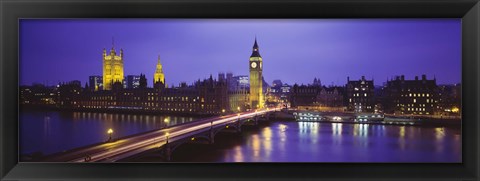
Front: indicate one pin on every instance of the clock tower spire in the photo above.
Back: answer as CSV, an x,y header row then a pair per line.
x,y
256,81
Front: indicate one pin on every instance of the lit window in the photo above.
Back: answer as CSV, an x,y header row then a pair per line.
x,y
414,100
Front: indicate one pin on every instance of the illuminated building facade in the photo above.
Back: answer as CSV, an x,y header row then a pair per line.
x,y
159,77
238,100
112,68
360,95
418,96
256,78
204,97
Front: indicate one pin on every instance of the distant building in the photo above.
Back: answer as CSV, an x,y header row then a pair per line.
x,y
95,82
277,83
204,97
331,96
285,92
75,82
132,82
68,94
418,96
315,97
238,82
230,82
304,95
221,77
142,83
37,94
242,81
380,98
279,91
317,82
449,99
360,95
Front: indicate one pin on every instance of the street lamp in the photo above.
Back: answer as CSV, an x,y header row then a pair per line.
x,y
166,122
238,108
110,132
166,135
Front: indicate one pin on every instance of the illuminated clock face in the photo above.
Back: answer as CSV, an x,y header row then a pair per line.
x,y
254,65
260,64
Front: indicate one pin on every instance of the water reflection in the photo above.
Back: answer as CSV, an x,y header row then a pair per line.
x,y
282,128
66,130
267,143
255,145
337,142
439,133
337,128
277,142
238,154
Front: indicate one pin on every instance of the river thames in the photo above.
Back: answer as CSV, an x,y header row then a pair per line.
x,y
277,141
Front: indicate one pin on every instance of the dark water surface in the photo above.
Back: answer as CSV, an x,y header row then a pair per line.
x,y
330,142
278,141
52,131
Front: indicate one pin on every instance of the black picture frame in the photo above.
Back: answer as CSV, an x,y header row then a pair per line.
x,y
11,11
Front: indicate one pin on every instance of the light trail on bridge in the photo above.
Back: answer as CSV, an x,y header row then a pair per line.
x,y
123,148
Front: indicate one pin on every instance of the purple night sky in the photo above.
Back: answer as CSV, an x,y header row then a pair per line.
x,y
294,51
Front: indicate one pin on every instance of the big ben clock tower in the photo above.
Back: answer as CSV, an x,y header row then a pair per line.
x,y
256,81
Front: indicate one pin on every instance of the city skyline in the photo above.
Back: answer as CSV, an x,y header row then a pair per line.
x,y
193,49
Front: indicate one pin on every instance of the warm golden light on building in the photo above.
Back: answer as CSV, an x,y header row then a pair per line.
x,y
112,68
256,80
455,109
159,77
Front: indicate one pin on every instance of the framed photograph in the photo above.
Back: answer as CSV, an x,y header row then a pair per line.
x,y
239,90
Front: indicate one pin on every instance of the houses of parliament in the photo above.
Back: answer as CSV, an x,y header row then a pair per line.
x,y
207,96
